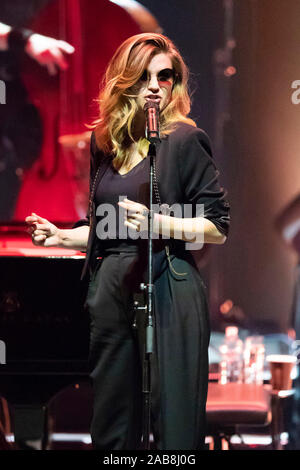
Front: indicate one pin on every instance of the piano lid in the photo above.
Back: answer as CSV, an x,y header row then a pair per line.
x,y
16,242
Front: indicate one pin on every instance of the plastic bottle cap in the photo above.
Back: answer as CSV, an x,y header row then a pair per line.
x,y
231,331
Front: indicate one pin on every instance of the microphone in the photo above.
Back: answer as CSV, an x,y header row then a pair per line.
x,y
151,110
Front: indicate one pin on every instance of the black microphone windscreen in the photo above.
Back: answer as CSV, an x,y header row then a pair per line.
x,y
151,104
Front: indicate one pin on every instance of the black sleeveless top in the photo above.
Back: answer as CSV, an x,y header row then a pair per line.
x,y
112,234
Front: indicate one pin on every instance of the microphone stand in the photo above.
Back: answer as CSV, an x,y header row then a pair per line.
x,y
153,137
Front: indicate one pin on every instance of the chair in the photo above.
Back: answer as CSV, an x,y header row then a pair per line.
x,y
232,405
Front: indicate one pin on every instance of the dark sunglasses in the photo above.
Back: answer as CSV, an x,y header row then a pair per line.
x,y
162,76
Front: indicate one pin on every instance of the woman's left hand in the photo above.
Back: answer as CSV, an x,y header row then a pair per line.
x,y
136,215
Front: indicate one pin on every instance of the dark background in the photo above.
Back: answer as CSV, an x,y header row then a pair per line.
x,y
259,156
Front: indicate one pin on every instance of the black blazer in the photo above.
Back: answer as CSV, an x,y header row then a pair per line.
x,y
186,174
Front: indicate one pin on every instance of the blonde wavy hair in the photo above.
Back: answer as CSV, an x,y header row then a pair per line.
x,y
117,101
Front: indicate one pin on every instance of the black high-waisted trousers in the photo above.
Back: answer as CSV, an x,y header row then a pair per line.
x,y
180,361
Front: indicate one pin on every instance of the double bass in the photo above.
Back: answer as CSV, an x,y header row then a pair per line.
x,y
57,184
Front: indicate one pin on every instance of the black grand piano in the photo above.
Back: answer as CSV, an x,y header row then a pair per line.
x,y
44,329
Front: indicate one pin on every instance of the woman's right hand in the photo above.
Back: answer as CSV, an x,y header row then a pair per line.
x,y
49,52
43,232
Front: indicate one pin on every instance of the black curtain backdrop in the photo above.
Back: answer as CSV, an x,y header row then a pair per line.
x,y
196,27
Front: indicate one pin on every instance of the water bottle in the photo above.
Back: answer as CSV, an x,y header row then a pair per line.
x,y
254,358
231,365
